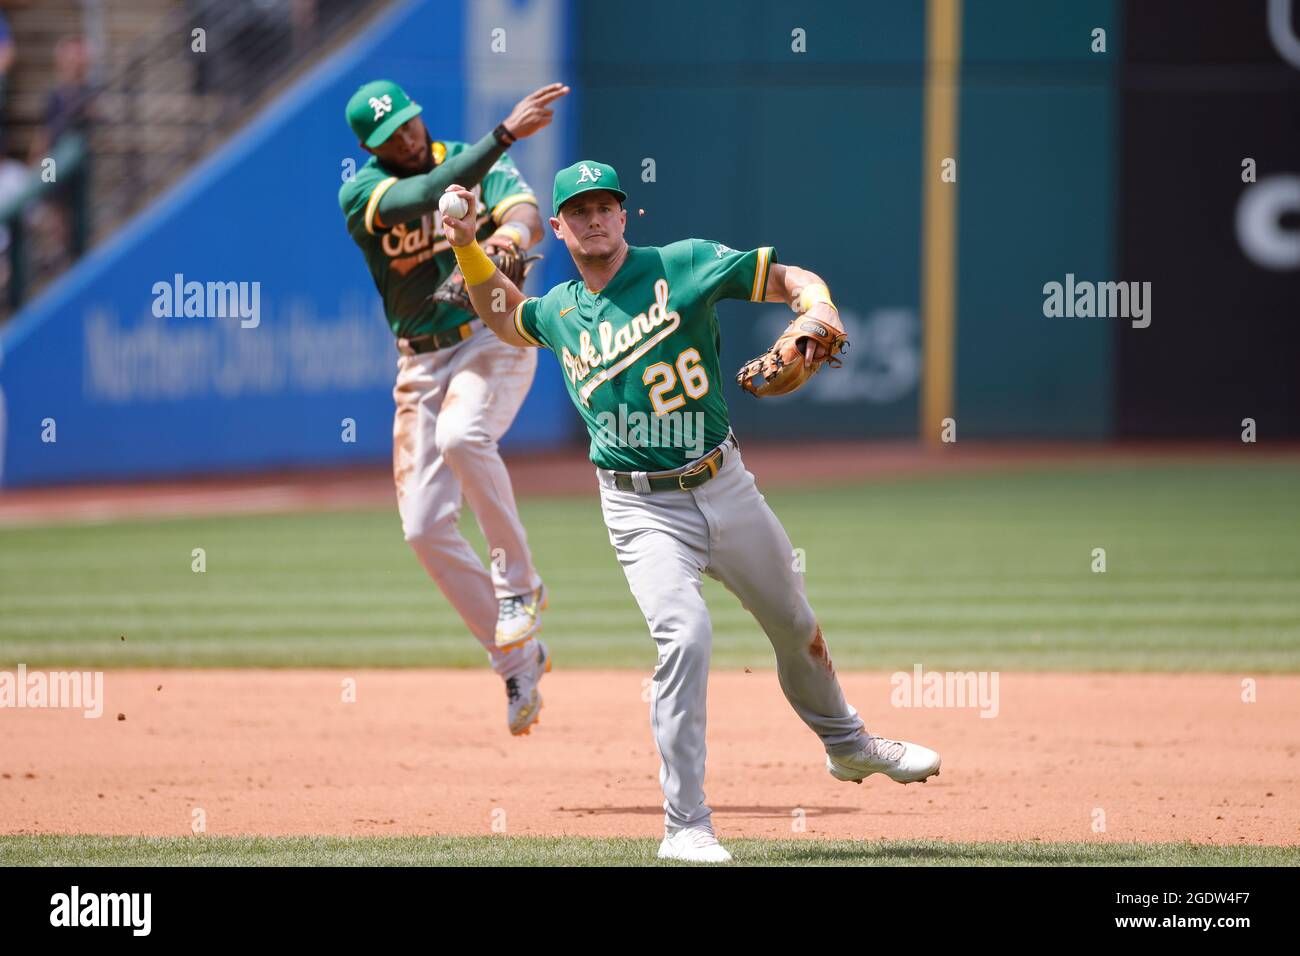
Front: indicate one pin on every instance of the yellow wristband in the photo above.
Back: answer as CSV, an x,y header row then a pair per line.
x,y
810,296
474,263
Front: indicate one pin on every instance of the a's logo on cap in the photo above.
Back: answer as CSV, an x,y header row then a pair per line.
x,y
589,175
381,105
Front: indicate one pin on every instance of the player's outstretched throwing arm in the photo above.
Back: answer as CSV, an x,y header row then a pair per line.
x,y
494,296
413,196
816,336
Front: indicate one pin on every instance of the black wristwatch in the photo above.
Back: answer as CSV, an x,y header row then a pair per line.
x,y
503,135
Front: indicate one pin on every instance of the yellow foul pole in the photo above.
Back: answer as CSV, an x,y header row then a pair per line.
x,y
939,215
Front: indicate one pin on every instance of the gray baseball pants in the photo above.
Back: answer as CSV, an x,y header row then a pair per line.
x,y
665,540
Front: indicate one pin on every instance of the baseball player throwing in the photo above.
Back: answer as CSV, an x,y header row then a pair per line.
x,y
458,386
639,333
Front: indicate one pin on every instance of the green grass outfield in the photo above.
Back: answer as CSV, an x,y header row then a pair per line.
x,y
587,851
978,571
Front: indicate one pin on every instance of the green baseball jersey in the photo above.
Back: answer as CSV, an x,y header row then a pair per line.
x,y
640,356
409,260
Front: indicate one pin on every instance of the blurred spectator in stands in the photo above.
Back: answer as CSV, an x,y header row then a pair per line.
x,y
255,39
68,108
14,179
69,111
303,15
247,41
6,63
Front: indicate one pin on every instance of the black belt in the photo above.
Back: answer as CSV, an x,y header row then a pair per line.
x,y
680,479
438,340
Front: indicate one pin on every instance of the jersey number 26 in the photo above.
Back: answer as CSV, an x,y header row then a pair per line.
x,y
662,379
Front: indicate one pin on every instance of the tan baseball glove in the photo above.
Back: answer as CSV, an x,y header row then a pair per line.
x,y
784,367
507,258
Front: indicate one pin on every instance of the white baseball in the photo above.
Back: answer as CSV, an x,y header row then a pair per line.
x,y
453,206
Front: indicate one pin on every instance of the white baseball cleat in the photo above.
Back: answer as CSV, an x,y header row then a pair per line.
x,y
523,700
896,759
519,618
693,845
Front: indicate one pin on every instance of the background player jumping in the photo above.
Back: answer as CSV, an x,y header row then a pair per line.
x,y
458,386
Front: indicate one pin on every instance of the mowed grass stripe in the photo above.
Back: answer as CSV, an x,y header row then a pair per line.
x,y
1190,590
235,617
588,851
593,652
1203,573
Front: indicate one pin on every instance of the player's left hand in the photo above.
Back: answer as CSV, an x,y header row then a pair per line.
x,y
828,315
460,232
532,113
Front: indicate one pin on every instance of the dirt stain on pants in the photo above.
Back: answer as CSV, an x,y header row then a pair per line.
x,y
819,650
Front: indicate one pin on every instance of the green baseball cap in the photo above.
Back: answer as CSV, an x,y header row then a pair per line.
x,y
584,177
377,109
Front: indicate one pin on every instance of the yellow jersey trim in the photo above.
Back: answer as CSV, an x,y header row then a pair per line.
x,y
510,202
519,326
372,207
760,274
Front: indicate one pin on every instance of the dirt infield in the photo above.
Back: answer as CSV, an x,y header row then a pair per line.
x,y
1164,758
567,472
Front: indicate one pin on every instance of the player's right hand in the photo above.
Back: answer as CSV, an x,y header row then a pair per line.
x,y
460,232
531,114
